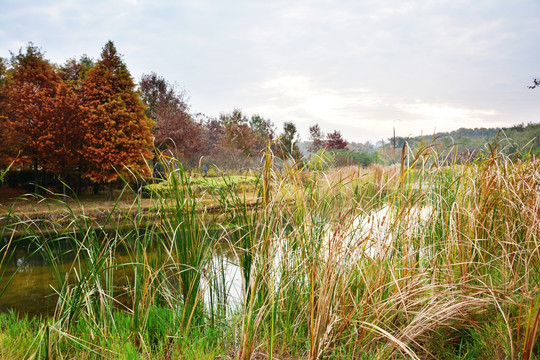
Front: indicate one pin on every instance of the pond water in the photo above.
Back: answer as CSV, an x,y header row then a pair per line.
x,y
30,285
379,228
29,290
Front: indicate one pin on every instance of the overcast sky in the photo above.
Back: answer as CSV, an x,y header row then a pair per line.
x,y
360,66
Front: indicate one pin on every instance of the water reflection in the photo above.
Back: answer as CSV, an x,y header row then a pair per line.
x,y
30,282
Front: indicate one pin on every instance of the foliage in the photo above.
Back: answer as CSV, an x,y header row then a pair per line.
x,y
359,158
174,128
334,140
5,152
118,133
78,119
237,134
91,126
288,143
264,131
427,260
317,138
236,141
213,133
73,72
43,115
471,141
519,139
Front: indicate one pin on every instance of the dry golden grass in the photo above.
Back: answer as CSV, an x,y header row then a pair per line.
x,y
16,202
465,275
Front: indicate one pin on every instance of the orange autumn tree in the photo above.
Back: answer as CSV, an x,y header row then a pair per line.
x,y
42,117
118,133
73,73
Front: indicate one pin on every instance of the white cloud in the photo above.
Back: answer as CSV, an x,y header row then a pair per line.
x,y
356,65
445,112
304,101
363,113
304,95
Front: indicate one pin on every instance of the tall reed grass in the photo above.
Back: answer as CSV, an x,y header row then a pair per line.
x,y
432,260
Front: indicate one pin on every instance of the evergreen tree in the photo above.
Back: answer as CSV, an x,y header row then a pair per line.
x,y
288,142
119,135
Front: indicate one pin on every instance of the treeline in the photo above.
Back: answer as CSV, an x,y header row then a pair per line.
x,y
87,123
462,145
511,140
332,150
79,120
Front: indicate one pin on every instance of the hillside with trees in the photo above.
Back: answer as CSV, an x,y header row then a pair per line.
x,y
512,138
466,144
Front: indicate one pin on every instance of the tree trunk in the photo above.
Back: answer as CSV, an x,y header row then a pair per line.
x,y
109,191
36,178
78,187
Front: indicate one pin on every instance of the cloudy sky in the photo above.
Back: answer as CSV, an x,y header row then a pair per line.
x,y
363,67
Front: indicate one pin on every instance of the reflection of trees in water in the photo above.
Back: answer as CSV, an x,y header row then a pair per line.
x,y
28,253
31,287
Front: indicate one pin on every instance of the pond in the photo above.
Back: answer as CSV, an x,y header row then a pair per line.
x,y
30,286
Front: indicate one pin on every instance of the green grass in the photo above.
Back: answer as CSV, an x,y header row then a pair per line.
x,y
202,184
450,270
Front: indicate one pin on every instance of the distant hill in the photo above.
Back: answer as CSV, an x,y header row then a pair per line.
x,y
509,140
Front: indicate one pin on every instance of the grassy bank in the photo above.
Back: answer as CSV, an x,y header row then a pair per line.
x,y
427,260
54,213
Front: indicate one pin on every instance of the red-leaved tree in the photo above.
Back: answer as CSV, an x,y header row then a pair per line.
x,y
174,127
334,140
4,130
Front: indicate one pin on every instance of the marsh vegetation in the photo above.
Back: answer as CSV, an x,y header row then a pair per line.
x,y
426,260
